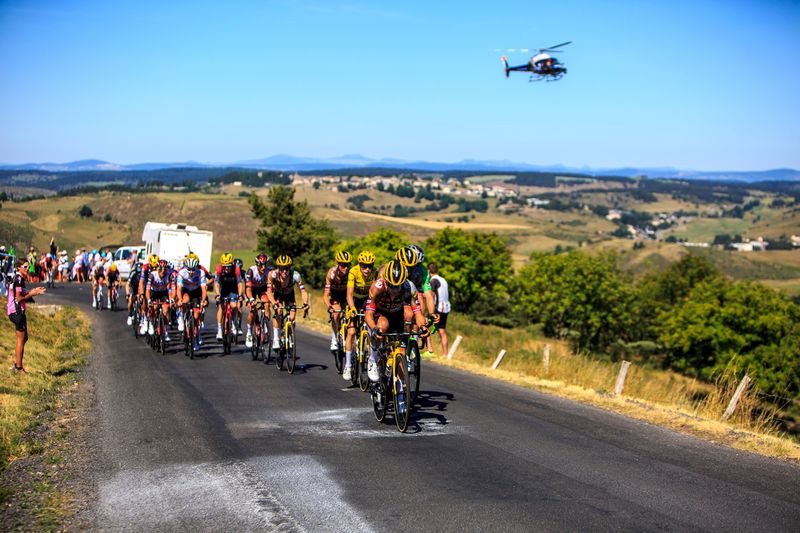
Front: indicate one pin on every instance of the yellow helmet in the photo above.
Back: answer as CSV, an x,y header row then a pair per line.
x,y
283,261
153,261
343,257
408,256
395,273
226,259
113,267
366,258
192,255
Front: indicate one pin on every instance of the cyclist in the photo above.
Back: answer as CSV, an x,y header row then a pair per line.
x,y
98,276
132,290
334,295
280,291
149,266
421,278
112,276
256,289
191,288
229,284
392,304
157,291
359,281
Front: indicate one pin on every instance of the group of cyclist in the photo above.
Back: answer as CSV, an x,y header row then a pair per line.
x,y
156,286
395,297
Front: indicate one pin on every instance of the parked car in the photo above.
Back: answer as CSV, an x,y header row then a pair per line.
x,y
123,257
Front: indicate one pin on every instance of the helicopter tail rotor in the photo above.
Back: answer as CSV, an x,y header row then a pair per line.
x,y
505,63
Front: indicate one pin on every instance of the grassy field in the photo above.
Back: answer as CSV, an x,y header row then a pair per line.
x,y
529,230
57,349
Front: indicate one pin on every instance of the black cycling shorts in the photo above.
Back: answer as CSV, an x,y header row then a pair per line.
x,y
19,320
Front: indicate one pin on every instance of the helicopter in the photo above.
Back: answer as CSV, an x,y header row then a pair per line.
x,y
542,66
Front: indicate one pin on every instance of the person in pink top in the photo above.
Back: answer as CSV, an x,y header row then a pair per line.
x,y
18,296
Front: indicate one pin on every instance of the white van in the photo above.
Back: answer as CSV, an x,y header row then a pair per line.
x,y
124,255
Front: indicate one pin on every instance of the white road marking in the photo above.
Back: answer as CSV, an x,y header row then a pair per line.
x,y
281,493
204,497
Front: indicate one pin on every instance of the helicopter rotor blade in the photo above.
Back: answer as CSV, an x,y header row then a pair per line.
x,y
549,48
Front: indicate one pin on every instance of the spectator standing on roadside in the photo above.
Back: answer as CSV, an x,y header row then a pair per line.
x,y
53,246
18,297
6,269
441,295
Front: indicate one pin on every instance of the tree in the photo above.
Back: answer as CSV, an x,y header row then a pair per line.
x,y
578,297
740,326
474,264
288,227
384,243
85,211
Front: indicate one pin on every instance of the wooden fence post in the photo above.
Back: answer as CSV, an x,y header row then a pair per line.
x,y
621,377
454,347
499,358
736,395
546,359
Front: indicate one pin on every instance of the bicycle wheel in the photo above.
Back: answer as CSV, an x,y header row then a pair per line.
x,y
291,348
415,368
339,355
279,353
226,332
136,323
363,359
162,333
190,333
400,388
378,393
256,333
266,337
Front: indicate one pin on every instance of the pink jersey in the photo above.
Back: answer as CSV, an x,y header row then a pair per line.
x,y
16,290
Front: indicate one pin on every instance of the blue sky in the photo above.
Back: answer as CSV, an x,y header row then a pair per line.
x,y
705,85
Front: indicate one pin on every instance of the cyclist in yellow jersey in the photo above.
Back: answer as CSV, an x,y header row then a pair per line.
x,y
359,280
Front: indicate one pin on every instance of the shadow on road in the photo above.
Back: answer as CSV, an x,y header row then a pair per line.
x,y
430,405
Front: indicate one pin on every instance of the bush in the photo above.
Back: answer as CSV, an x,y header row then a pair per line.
x,y
85,211
578,293
473,264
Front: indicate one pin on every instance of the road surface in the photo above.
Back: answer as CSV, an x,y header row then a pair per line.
x,y
229,444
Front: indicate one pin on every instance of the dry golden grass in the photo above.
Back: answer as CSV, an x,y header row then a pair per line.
x,y
58,346
656,396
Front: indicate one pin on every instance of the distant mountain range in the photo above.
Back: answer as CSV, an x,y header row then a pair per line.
x,y
292,163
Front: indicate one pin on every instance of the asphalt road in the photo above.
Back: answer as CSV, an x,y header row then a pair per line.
x,y
228,444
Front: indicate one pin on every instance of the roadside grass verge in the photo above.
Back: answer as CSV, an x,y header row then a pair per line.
x,y
57,348
657,396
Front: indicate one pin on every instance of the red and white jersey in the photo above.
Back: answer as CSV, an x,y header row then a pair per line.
x,y
158,283
254,279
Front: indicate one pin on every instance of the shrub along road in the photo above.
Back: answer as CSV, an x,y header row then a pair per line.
x,y
225,443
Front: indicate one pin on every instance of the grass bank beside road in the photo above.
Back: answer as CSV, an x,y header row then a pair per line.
x,y
60,340
657,396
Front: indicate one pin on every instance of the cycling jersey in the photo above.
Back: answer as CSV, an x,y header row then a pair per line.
x,y
227,282
158,283
133,281
98,271
191,281
336,280
420,277
386,299
286,286
255,280
359,283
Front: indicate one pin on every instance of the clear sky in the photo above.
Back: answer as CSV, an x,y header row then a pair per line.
x,y
700,84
